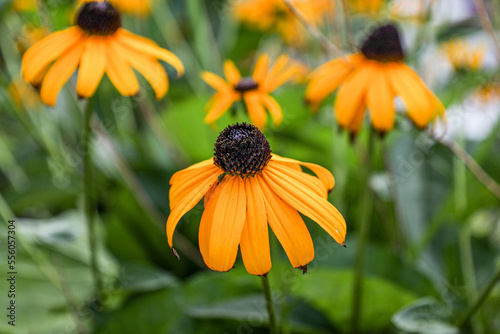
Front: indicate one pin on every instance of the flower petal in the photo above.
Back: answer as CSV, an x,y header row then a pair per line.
x,y
219,104
41,54
227,225
148,47
119,72
255,109
187,204
207,219
288,227
274,109
231,73
254,244
305,180
92,65
309,204
380,100
59,73
215,81
260,69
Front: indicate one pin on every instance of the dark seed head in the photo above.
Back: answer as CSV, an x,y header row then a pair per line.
x,y
246,84
383,45
99,18
241,149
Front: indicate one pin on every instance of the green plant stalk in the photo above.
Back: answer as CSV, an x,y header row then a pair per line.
x,y
482,298
364,231
273,326
89,198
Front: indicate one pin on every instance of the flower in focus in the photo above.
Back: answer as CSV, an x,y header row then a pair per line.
x,y
463,56
276,16
254,90
96,45
135,7
373,78
247,187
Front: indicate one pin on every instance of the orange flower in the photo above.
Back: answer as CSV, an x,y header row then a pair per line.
x,y
247,187
275,15
373,78
254,90
96,45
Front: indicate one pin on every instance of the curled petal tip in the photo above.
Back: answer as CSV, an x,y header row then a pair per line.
x,y
303,268
344,245
174,252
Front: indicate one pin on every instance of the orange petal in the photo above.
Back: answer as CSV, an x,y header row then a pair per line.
x,y
187,204
44,52
305,180
92,65
260,70
309,204
380,101
147,47
119,72
231,72
185,184
322,173
254,244
227,224
59,73
274,109
215,81
207,219
220,103
288,227
255,109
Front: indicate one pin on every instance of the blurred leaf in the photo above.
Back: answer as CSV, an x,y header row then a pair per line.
x,y
460,29
424,316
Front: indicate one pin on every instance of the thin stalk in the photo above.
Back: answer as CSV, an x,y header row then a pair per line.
x,y
364,231
482,298
273,328
89,197
348,34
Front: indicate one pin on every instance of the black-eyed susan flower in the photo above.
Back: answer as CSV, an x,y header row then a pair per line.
x,y
254,90
246,187
96,45
134,7
274,15
372,79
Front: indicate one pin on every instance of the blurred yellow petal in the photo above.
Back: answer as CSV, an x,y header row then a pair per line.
x,y
231,72
92,66
380,101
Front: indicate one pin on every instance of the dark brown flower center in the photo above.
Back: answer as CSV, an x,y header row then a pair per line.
x,y
383,45
99,18
241,149
246,84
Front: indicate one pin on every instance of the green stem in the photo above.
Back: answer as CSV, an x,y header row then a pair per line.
x,y
482,298
364,231
89,198
273,328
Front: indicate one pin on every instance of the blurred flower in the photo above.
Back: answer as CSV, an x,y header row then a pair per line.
x,y
25,5
30,35
245,187
365,6
135,7
274,15
254,90
462,55
410,10
373,78
23,94
97,44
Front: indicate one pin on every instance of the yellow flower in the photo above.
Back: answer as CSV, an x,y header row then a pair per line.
x,y
254,90
274,15
135,7
96,45
463,56
373,78
246,187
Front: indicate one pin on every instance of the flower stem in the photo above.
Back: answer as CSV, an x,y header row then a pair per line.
x,y
89,197
364,231
482,298
273,328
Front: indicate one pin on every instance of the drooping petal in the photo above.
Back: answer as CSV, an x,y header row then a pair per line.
x,y
59,73
352,94
254,244
185,184
183,172
119,72
255,109
220,104
309,204
215,81
288,227
41,54
274,109
207,219
231,73
322,173
260,70
92,65
187,204
146,46
227,224
407,85
380,101
305,180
